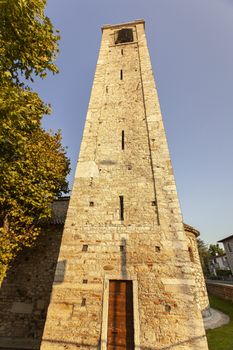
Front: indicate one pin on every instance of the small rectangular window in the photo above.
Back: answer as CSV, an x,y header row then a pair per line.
x,y
121,208
122,52
121,74
84,248
83,303
122,139
168,308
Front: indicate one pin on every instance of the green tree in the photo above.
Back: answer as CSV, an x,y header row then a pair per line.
x,y
28,44
215,250
33,163
31,177
204,255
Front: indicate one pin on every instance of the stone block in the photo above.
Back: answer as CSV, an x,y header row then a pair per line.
x,y
60,310
21,308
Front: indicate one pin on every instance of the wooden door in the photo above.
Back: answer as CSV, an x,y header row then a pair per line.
x,y
120,316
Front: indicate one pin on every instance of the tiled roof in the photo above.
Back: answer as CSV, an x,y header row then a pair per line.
x,y
191,229
225,239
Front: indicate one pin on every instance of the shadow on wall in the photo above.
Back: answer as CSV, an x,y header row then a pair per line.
x,y
123,250
98,345
25,292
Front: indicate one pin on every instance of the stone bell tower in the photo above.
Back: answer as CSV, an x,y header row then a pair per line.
x,y
124,278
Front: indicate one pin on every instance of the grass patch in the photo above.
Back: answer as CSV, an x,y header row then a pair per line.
x,y
221,338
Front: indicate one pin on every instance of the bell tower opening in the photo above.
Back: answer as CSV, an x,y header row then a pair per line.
x,y
124,35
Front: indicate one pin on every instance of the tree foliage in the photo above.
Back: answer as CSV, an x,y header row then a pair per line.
x,y
33,163
30,178
204,255
215,250
28,44
207,253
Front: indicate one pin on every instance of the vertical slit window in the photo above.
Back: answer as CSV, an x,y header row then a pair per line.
x,y
121,74
191,254
122,139
122,52
121,208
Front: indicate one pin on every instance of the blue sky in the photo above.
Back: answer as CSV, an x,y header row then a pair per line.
x,y
191,48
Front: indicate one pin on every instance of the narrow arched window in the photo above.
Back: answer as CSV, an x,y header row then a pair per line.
x,y
191,254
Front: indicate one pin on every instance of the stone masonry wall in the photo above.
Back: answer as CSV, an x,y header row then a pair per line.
x,y
149,246
24,327
25,292
202,296
224,291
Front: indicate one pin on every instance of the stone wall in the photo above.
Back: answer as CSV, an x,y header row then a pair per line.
x,y
224,291
202,296
147,246
25,292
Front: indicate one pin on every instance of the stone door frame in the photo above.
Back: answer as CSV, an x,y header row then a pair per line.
x,y
104,325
